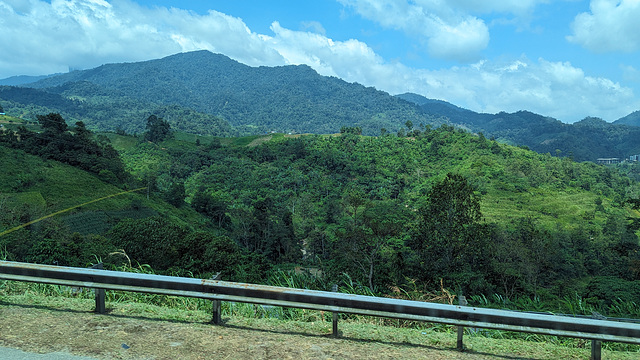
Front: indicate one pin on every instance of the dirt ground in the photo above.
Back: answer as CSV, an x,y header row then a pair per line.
x,y
131,332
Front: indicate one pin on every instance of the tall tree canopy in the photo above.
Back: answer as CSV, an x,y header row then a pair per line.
x,y
450,240
157,129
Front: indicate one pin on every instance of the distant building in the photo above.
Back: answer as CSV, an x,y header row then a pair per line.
x,y
634,158
608,161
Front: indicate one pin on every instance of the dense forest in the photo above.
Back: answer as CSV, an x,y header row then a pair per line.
x,y
102,110
586,140
210,94
253,99
429,207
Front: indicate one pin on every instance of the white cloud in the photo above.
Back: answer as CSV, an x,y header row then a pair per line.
x,y
612,25
48,37
447,33
448,29
555,89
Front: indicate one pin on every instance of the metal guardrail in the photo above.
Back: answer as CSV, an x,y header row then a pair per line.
x,y
216,290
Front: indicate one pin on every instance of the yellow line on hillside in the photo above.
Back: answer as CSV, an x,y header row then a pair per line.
x,y
65,210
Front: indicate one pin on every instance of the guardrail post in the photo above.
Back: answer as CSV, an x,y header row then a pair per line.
x,y
459,344
596,350
335,316
100,294
217,312
217,305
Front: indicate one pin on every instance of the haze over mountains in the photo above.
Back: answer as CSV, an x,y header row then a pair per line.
x,y
208,93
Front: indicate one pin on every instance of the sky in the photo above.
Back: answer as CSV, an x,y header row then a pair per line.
x,y
567,59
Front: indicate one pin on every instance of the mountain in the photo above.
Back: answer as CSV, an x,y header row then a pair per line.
x,y
22,79
586,140
255,99
205,93
632,119
105,110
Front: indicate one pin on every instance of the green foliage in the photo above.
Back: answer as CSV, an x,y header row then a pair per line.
x,y
383,212
361,205
586,140
162,245
157,129
450,241
77,149
254,100
106,110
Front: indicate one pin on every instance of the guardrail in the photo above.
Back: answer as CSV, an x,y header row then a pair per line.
x,y
216,290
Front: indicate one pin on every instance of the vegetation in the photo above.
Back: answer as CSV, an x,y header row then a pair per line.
x,y
210,94
76,148
253,100
586,140
250,330
519,224
378,213
103,110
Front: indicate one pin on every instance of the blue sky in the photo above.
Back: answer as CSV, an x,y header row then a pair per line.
x,y
562,58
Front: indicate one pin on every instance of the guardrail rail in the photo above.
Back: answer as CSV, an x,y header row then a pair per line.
x,y
462,316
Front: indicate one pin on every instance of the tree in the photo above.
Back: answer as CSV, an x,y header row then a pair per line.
x,y
81,131
409,125
154,241
383,224
450,240
215,207
157,129
52,122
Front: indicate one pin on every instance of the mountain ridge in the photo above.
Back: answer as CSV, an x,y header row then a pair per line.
x,y
239,99
585,140
292,98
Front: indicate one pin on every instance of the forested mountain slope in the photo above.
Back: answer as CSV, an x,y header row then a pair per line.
x,y
631,119
586,140
256,99
105,110
205,93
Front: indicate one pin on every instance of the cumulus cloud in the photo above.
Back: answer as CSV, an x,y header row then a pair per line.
x,y
47,37
612,25
556,89
50,37
448,29
446,33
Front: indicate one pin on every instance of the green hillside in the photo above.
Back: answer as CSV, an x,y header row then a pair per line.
x,y
586,140
254,100
104,110
32,188
631,119
360,206
372,213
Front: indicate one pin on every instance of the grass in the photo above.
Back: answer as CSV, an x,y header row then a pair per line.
x,y
50,186
255,323
548,206
256,318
